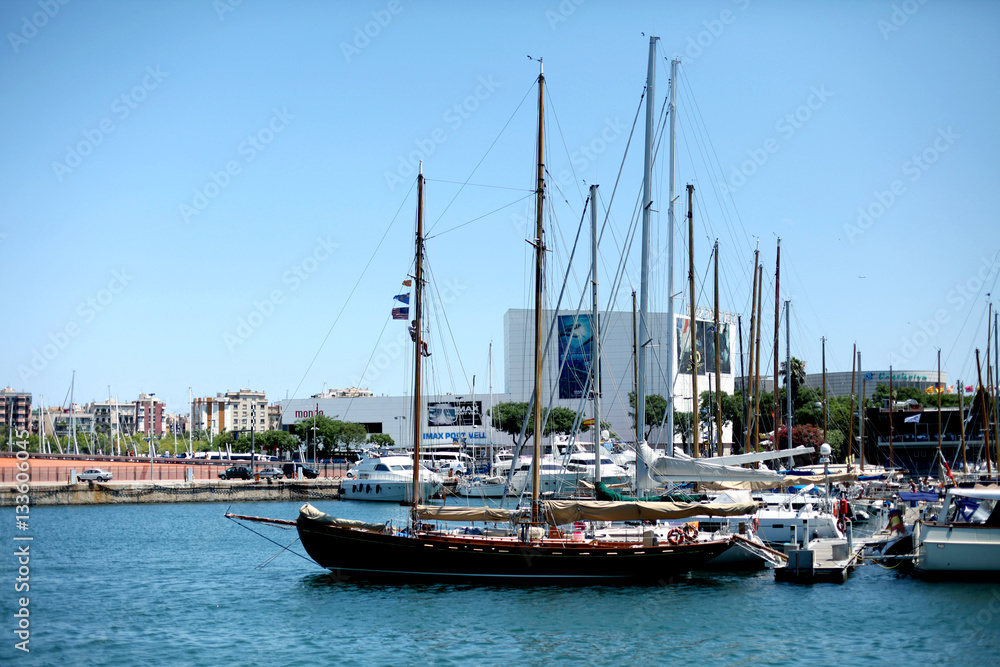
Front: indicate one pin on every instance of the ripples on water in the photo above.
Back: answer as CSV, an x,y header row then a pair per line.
x,y
179,584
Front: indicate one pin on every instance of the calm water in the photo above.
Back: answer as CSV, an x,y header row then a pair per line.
x,y
179,584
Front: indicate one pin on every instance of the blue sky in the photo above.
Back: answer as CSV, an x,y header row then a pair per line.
x,y
199,194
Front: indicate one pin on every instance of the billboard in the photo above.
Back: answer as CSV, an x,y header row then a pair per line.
x,y
705,347
455,413
576,354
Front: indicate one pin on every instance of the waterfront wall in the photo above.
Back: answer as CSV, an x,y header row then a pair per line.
x,y
94,493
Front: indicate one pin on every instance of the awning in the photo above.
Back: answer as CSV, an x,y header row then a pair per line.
x,y
438,513
560,512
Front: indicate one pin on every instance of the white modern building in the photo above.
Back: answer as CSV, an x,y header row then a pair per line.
x,y
566,376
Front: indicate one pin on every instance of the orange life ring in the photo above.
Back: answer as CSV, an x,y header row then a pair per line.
x,y
755,523
842,524
690,532
675,536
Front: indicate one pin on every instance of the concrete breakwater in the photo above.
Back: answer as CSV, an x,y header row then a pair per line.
x,y
111,493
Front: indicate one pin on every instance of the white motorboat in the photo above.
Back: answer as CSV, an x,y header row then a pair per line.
x,y
388,478
965,537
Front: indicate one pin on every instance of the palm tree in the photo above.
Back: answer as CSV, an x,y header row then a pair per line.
x,y
798,377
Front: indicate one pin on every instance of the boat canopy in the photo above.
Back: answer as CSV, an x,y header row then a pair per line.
x,y
438,513
307,511
784,482
981,492
559,512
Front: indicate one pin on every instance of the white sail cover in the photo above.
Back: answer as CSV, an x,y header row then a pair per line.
x,y
307,511
673,469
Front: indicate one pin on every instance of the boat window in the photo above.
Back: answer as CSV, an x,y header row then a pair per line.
x,y
397,468
382,467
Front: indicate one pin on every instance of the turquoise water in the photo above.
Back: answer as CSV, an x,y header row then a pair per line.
x,y
181,585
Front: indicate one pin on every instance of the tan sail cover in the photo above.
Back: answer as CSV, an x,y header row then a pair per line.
x,y
559,512
309,512
794,480
437,513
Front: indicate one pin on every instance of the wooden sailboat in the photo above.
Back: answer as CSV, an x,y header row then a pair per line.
x,y
527,552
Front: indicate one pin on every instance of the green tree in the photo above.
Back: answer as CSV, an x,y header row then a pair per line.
x,y
381,440
509,418
798,377
683,425
656,410
560,420
280,441
331,435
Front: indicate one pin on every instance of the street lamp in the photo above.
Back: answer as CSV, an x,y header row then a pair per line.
x,y
402,423
824,457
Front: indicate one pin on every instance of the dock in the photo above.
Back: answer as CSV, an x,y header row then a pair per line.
x,y
826,560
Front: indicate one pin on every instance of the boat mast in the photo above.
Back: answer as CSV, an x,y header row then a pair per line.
x,y
861,414
823,341
758,392
694,327
72,414
850,419
489,451
986,423
647,168
788,372
539,303
777,318
750,375
595,325
996,378
890,418
961,423
671,327
635,370
417,337
940,455
718,362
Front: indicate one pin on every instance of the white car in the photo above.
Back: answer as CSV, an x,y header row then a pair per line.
x,y
94,474
272,472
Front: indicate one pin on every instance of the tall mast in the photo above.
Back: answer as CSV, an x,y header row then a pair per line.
x,y
986,423
418,303
72,413
671,327
635,364
596,333
940,456
996,379
890,418
696,448
777,316
788,370
961,424
757,392
647,168
718,362
539,302
750,367
850,418
823,339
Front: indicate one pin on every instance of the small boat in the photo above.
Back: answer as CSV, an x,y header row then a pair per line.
x,y
964,540
387,478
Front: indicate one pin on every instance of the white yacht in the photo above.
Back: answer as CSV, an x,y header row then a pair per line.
x,y
388,478
965,537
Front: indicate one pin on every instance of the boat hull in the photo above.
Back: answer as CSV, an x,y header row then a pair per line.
x,y
351,553
384,490
950,550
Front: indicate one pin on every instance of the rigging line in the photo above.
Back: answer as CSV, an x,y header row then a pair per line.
x,y
552,109
967,314
378,340
283,547
484,215
715,154
476,185
451,333
502,130
351,294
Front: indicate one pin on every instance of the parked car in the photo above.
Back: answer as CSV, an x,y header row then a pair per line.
x,y
307,472
236,472
94,474
271,473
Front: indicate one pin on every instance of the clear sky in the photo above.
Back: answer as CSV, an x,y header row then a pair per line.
x,y
217,194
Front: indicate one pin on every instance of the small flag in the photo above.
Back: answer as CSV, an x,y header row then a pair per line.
x,y
407,282
588,422
912,420
400,313
405,298
969,389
